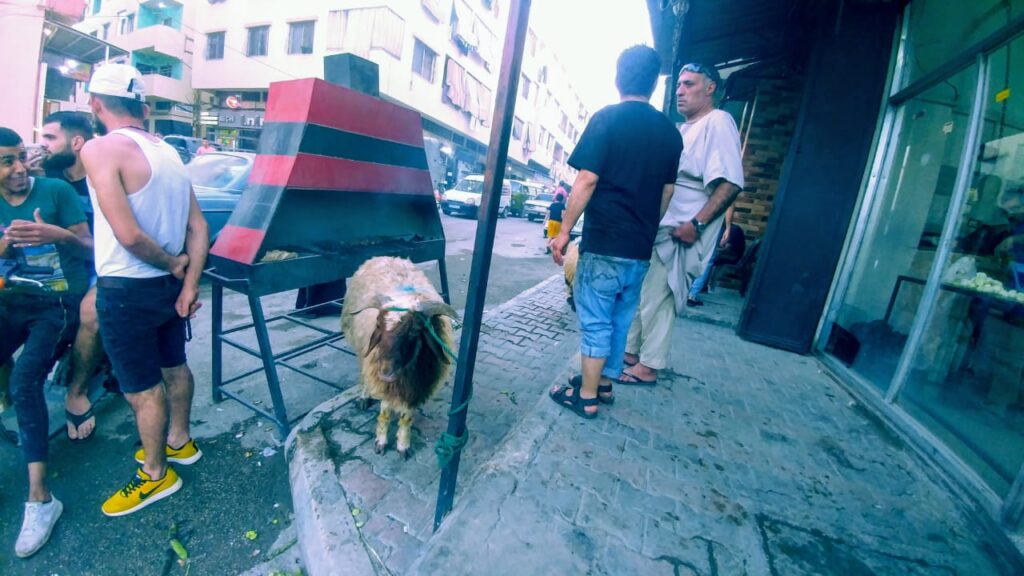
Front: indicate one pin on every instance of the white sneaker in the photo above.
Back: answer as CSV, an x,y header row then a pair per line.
x,y
40,518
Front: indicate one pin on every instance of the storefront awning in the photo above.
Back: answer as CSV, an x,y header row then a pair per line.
x,y
70,43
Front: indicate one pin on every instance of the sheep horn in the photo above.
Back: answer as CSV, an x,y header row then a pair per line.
x,y
435,308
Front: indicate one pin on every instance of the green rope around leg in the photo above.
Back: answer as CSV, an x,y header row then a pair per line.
x,y
447,445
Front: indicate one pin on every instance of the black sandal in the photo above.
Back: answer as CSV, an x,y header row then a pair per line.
x,y
574,402
577,382
77,420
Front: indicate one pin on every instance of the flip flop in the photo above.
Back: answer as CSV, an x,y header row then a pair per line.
x,y
634,381
77,420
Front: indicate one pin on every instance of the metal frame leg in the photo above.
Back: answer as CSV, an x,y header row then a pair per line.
x,y
218,346
263,338
442,269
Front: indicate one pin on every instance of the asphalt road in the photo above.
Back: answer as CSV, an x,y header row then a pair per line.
x,y
240,488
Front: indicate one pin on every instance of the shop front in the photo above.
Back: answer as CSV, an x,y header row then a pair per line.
x,y
893,248
926,316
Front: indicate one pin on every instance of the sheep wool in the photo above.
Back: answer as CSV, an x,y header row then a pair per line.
x,y
572,257
395,322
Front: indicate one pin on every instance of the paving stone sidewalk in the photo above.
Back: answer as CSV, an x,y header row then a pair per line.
x,y
743,460
524,344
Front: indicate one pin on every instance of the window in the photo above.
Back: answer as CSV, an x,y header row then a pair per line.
x,y
300,37
517,128
525,89
564,124
363,29
163,70
127,24
966,378
257,43
97,5
423,60
215,46
938,30
106,30
897,253
162,106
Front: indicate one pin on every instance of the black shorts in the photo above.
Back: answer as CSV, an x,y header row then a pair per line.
x,y
140,328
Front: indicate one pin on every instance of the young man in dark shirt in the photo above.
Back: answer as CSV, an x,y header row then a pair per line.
x,y
627,159
41,224
64,135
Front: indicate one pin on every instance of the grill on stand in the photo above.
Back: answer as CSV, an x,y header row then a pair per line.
x,y
340,176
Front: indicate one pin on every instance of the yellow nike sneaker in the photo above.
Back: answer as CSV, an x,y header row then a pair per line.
x,y
187,454
141,491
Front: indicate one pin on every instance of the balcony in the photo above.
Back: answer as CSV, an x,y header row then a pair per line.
x,y
158,39
166,88
66,11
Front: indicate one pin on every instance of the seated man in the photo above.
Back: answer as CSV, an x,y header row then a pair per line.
x,y
41,224
64,134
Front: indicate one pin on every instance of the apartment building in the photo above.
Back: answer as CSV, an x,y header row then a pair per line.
x,y
48,60
160,37
440,57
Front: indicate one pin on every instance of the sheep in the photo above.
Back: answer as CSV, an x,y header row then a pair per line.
x,y
569,261
389,310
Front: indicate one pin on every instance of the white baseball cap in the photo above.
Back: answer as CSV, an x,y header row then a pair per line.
x,y
119,80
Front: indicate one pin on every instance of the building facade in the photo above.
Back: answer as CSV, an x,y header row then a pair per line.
x,y
52,60
439,57
887,141
160,37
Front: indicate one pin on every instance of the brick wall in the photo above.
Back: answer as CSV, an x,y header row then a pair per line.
x,y
778,103
768,141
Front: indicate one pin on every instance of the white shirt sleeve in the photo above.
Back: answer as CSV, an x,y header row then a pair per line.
x,y
722,150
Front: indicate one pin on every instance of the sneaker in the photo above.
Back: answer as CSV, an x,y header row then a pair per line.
x,y
187,454
40,518
141,491
691,302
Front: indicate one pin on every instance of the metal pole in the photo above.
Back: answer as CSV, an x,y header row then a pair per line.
x,y
497,152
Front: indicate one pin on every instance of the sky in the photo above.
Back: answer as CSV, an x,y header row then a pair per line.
x,y
587,36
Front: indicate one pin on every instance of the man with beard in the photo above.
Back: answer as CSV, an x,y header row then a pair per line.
x,y
151,244
64,135
41,224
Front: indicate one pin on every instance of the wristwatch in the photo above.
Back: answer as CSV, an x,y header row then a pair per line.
x,y
698,226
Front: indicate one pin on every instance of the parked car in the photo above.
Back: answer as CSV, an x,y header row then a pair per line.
x,y
219,178
464,198
538,207
521,193
185,145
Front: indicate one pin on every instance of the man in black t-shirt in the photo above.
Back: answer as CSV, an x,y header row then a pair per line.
x,y
627,159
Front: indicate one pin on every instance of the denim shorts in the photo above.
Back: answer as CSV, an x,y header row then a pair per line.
x,y
607,292
140,328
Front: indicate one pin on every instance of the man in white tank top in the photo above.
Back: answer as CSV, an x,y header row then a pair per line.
x,y
151,245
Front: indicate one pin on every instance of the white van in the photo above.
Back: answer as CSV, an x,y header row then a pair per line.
x,y
464,198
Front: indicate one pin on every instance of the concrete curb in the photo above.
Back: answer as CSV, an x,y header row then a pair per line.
x,y
329,541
